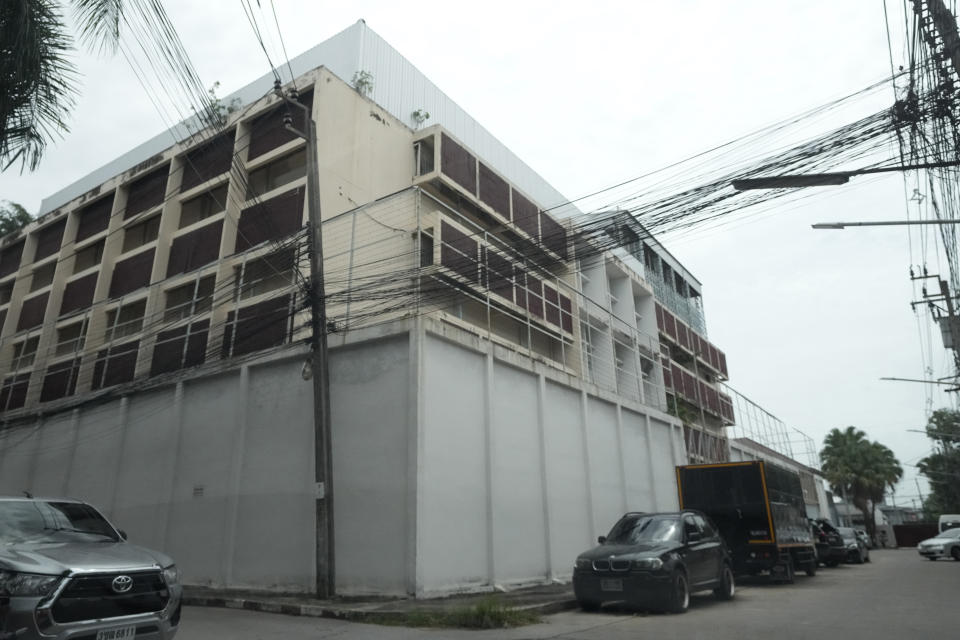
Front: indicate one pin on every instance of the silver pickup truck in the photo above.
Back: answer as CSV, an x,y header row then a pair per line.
x,y
67,573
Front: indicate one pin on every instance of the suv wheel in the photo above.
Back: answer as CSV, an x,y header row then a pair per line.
x,y
727,587
955,553
589,605
679,600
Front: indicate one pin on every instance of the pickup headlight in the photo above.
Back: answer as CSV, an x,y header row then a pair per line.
x,y
648,564
26,584
171,575
583,564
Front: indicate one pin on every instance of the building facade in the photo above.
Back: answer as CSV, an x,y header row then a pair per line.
x,y
503,385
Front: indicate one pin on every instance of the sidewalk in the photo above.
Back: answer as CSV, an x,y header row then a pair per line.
x,y
541,599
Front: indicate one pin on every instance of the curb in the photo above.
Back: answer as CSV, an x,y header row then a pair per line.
x,y
341,613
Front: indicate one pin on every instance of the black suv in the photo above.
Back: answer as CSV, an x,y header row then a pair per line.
x,y
831,549
654,560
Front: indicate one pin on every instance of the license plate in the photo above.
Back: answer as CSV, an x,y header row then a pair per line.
x,y
120,633
606,584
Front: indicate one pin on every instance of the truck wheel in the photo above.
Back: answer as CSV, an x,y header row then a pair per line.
x,y
679,598
727,587
811,568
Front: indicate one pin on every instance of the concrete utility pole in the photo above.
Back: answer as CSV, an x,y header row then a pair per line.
x,y
319,366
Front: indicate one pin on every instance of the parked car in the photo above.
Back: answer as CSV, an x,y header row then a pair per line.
x,y
863,537
66,572
946,544
655,560
856,550
831,550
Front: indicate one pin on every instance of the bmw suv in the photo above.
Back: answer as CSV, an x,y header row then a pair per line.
x,y
67,574
655,560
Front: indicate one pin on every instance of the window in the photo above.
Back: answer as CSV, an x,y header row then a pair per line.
x,y
203,206
140,234
24,353
277,173
6,291
268,273
426,247
43,276
70,338
88,257
125,321
189,299
423,156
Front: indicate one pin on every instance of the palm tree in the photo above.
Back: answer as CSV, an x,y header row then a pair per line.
x,y
859,469
38,78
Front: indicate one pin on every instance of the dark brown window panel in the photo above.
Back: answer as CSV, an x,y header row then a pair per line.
x,y
94,218
456,162
208,161
566,314
115,365
271,219
494,191
458,252
131,274
60,380
13,393
257,327
49,239
534,296
525,215
499,275
659,311
551,300
169,353
147,192
553,235
267,132
10,258
31,313
78,294
195,249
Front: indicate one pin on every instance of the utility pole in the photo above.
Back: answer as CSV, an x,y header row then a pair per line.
x,y
319,365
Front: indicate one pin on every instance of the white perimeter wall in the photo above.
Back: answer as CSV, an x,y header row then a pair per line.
x,y
457,467
520,471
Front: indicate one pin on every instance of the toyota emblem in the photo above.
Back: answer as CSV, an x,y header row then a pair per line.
x,y
122,584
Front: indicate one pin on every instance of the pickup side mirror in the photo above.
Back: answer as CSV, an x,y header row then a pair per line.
x,y
602,539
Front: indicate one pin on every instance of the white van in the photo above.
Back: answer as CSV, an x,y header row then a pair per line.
x,y
948,521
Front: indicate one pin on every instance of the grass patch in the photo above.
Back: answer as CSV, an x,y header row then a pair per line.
x,y
489,613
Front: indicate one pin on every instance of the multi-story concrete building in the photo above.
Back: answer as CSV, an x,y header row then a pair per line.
x,y
503,386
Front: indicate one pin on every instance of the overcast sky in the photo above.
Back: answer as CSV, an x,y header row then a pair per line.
x,y
810,320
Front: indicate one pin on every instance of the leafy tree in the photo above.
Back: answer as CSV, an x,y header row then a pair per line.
x,y
942,467
37,76
13,217
859,469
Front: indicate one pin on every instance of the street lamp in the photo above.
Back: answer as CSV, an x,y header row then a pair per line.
x,y
883,223
828,179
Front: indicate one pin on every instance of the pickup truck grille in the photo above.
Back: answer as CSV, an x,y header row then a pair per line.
x,y
91,597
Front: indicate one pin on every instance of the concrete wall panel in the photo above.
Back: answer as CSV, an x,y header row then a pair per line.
x,y
370,388
518,517
453,521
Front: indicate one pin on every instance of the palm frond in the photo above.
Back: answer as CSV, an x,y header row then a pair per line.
x,y
99,23
37,77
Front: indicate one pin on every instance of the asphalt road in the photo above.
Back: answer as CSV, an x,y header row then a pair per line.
x,y
898,596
